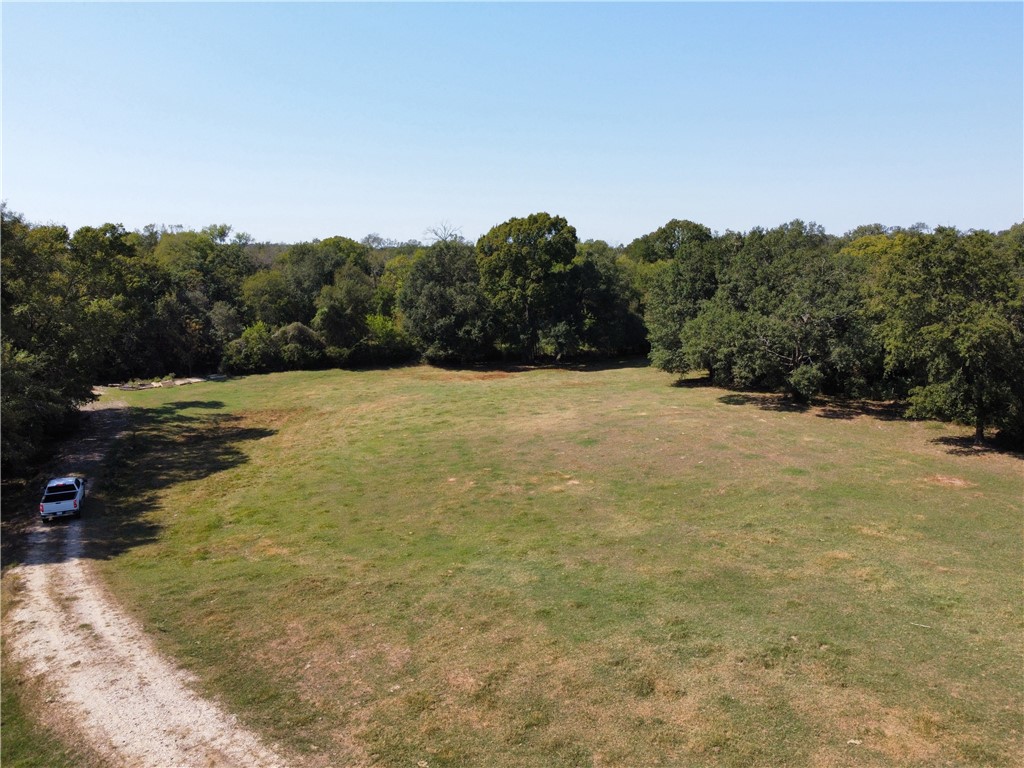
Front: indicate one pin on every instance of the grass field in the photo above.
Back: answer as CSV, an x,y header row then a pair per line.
x,y
557,567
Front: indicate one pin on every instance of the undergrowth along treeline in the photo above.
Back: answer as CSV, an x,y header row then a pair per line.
x,y
934,317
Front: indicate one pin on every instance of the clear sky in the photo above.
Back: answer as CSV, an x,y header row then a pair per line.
x,y
301,121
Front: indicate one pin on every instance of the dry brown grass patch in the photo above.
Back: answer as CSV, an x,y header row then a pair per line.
x,y
880,531
949,481
861,728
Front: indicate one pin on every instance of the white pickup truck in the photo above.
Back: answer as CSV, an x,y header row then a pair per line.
x,y
63,498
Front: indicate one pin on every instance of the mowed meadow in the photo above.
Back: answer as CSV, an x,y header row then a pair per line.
x,y
572,567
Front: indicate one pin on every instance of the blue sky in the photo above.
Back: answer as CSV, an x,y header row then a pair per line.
x,y
301,121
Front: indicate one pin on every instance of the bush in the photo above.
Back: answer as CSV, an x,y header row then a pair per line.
x,y
257,351
300,347
385,342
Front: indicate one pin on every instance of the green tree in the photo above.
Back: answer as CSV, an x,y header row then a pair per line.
x,y
953,307
683,275
812,335
300,347
205,268
310,267
606,302
668,241
342,308
207,261
52,333
256,351
187,339
385,342
269,296
525,269
443,306
392,277
119,269
387,261
225,323
773,309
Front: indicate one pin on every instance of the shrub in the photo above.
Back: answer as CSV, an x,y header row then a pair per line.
x,y
257,351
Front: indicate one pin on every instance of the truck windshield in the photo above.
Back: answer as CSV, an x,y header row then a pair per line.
x,y
62,488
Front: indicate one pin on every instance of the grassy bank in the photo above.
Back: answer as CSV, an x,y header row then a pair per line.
x,y
573,567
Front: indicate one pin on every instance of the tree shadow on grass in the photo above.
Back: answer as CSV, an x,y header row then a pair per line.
x,y
823,407
498,369
851,409
163,447
966,446
575,365
160,447
693,382
836,408
766,402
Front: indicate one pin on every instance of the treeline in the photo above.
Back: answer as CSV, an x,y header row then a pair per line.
x,y
934,317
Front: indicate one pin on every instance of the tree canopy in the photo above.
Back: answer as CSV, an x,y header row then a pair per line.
x,y
952,310
443,304
526,271
933,318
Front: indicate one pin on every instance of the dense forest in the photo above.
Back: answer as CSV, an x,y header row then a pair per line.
x,y
932,318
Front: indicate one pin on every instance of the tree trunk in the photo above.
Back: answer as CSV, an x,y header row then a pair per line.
x,y
979,412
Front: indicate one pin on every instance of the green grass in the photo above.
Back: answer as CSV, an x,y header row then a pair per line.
x,y
573,567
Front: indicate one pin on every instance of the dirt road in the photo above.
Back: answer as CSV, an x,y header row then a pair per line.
x,y
98,668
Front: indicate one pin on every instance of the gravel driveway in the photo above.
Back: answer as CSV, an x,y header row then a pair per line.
x,y
98,668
